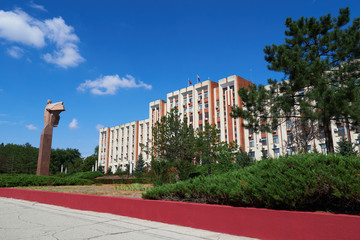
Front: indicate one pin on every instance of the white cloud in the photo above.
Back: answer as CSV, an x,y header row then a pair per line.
x,y
63,36
65,57
74,124
31,127
108,85
15,52
99,126
60,33
17,26
37,6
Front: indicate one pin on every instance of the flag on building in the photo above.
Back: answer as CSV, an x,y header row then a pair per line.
x,y
198,78
189,81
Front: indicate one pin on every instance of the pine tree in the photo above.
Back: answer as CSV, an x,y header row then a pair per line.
x,y
140,164
319,63
345,147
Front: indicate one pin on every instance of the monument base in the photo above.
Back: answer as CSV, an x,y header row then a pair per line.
x,y
45,151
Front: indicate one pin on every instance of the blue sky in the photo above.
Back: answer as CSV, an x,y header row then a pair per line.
x,y
106,60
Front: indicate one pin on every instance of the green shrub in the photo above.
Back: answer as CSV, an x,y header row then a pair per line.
x,y
121,181
9,180
87,175
299,182
132,187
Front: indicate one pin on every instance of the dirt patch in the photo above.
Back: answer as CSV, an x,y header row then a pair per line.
x,y
105,190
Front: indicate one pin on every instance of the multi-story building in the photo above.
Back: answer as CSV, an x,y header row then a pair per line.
x,y
201,103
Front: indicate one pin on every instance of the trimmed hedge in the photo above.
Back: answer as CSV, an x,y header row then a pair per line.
x,y
300,182
121,181
87,175
9,180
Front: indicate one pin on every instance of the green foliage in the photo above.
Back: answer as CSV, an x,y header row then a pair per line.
x,y
319,62
87,175
208,147
178,148
70,158
120,172
9,180
89,162
345,147
298,182
18,158
140,164
132,187
23,159
173,139
121,181
109,171
101,169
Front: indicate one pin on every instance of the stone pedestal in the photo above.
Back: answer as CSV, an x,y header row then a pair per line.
x,y
45,151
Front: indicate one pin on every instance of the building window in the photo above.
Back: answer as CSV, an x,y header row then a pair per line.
x,y
218,113
185,100
276,152
276,139
207,115
201,127
290,138
205,95
292,150
323,149
200,116
190,99
200,96
251,131
191,109
191,118
252,143
309,148
264,153
341,131
206,105
263,140
288,124
252,155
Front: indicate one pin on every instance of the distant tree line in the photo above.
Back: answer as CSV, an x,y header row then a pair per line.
x,y
23,159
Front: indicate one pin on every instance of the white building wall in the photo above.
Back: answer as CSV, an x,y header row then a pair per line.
x,y
118,146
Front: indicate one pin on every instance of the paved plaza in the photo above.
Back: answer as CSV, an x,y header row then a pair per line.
x,y
30,220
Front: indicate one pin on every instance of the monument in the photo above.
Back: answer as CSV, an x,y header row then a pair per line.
x,y
51,120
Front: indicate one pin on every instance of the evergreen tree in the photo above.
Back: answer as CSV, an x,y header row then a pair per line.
x,y
319,62
140,164
208,145
173,139
109,171
345,147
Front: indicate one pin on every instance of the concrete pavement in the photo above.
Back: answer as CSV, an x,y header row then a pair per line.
x,y
30,220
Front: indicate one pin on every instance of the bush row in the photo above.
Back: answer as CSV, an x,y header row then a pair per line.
x,y
87,175
9,180
299,182
122,181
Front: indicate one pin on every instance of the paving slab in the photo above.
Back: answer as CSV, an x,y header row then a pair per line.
x,y
21,219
